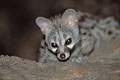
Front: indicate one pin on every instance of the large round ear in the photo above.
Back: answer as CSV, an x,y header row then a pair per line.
x,y
69,18
45,24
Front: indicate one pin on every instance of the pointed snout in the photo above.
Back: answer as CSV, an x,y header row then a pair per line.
x,y
63,56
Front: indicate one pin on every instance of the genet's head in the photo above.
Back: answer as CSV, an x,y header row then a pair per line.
x,y
61,33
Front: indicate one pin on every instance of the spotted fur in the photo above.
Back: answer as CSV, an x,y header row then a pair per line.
x,y
74,33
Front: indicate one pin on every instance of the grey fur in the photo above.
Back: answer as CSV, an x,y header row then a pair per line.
x,y
87,35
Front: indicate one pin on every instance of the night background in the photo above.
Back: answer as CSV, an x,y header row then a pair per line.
x,y
19,34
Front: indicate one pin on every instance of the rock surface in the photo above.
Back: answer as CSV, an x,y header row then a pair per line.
x,y
103,64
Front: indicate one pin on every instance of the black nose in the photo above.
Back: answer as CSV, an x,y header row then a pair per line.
x,y
62,56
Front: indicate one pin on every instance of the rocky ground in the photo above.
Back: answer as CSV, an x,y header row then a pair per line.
x,y
103,64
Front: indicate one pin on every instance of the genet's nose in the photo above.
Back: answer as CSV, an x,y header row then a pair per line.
x,y
62,56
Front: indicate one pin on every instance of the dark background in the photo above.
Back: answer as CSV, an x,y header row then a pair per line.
x,y
20,36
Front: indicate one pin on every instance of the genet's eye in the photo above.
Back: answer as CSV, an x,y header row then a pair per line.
x,y
54,45
68,41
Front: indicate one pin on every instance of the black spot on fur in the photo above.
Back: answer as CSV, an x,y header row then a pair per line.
x,y
108,22
84,33
97,20
90,35
92,17
109,32
85,16
82,18
42,47
117,27
113,37
93,27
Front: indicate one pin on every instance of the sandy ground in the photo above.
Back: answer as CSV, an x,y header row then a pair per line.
x,y
103,64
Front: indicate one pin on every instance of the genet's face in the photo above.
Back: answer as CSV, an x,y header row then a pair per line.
x,y
61,42
61,33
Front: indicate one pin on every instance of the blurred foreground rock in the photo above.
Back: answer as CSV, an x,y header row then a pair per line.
x,y
103,64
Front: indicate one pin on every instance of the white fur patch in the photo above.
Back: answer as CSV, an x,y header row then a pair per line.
x,y
70,46
54,49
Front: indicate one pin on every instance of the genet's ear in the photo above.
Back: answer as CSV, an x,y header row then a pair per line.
x,y
45,25
69,18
